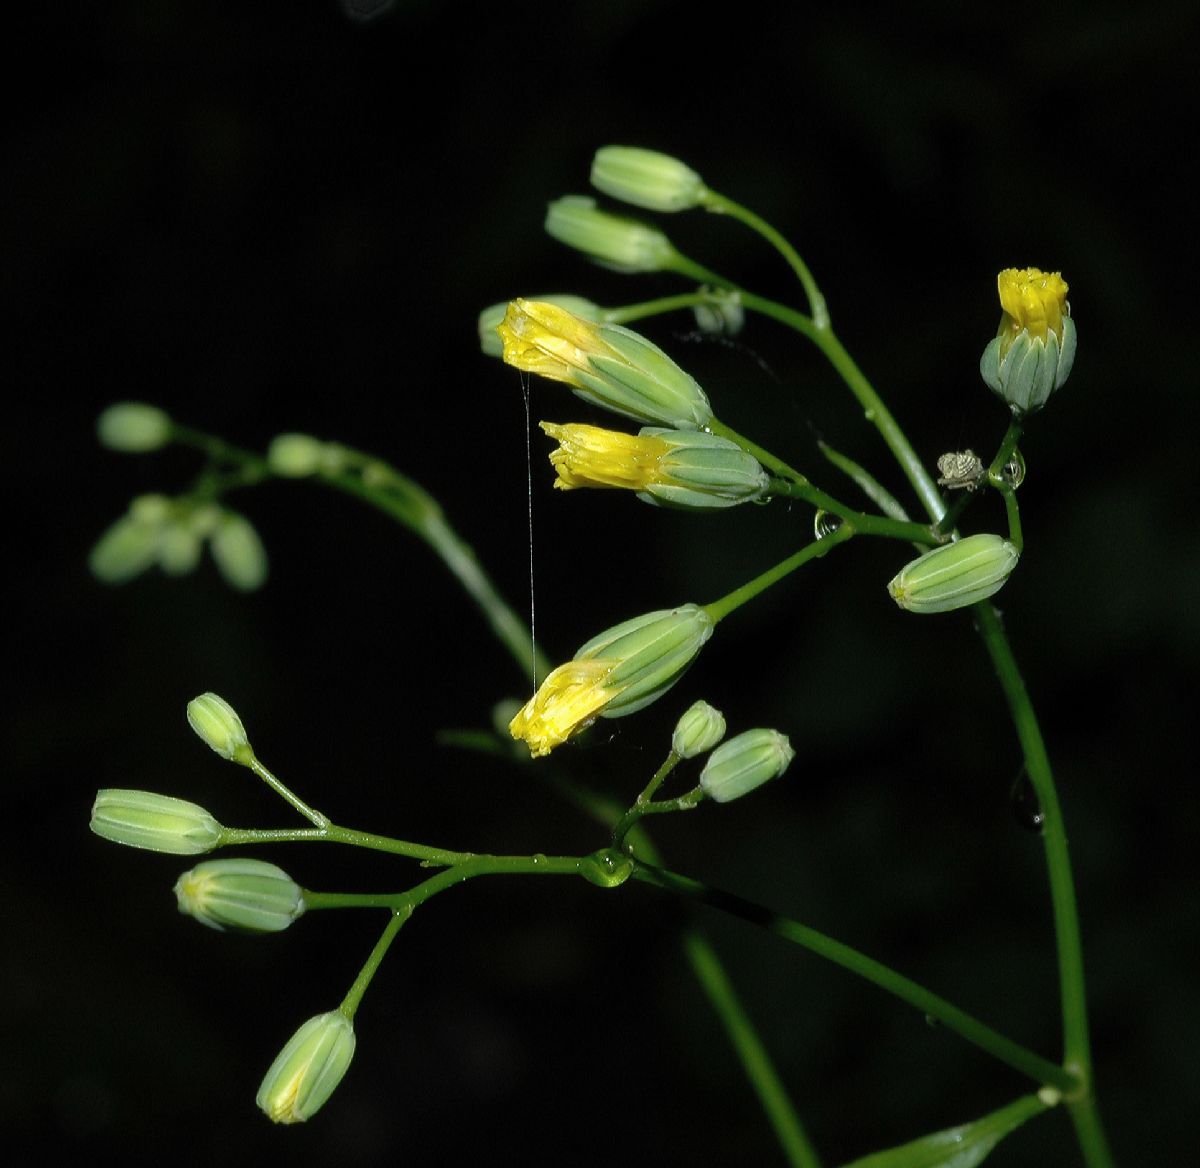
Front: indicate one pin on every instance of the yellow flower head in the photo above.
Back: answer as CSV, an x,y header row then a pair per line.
x,y
1033,300
568,701
539,337
588,456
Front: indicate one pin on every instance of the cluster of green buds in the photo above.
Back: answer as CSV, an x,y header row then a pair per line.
x,y
1034,348
617,672
735,766
297,456
171,533
690,469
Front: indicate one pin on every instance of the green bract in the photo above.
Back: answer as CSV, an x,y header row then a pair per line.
x,y
703,471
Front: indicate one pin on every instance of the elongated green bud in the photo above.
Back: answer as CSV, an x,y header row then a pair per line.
x,y
308,1069
133,427
955,575
218,724
248,895
295,456
646,178
158,823
745,762
624,244
239,554
699,729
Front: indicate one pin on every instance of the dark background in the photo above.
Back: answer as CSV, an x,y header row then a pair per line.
x,y
267,217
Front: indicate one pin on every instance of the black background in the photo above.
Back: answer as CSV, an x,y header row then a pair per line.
x,y
267,217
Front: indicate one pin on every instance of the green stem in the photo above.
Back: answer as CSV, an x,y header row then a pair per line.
x,y
721,205
1013,1054
332,833
1014,518
749,1048
629,819
350,1002
719,609
314,817
1076,1045
630,312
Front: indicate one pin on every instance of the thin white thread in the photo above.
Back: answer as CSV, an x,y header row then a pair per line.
x,y
529,503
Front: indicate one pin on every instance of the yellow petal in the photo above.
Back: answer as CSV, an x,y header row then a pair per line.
x,y
566,702
589,456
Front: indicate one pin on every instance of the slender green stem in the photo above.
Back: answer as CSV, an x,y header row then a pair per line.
x,y
334,834
719,609
1008,446
350,1002
1089,1131
866,482
1014,518
1039,1069
754,1058
630,312
313,816
721,205
629,819
1076,1043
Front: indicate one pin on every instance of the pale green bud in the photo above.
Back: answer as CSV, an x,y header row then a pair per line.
x,y
151,510
646,178
239,553
620,243
133,427
249,895
178,549
294,455
492,317
699,729
217,723
954,575
159,823
124,551
307,1070
702,471
745,762
649,652
723,316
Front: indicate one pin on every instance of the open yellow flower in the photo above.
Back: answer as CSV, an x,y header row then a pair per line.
x,y
605,364
569,700
589,456
1033,300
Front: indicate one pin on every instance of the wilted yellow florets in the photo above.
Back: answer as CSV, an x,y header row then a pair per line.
x,y
539,337
568,701
589,456
1033,300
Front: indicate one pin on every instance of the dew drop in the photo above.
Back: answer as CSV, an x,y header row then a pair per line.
x,y
825,524
1013,471
1025,806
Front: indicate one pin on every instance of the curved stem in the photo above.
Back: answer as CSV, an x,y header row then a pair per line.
x,y
1039,1069
332,833
721,205
630,312
353,997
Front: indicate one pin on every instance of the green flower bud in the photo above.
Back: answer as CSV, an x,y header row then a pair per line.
x,y
294,456
307,1070
159,823
623,244
723,316
702,471
178,549
239,553
133,428
1034,349
954,575
646,178
217,723
746,761
698,731
124,551
492,317
249,895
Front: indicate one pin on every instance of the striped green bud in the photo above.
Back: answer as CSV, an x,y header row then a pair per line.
x,y
745,762
239,554
308,1069
646,178
247,895
615,241
699,729
955,575
218,724
703,471
133,427
158,823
